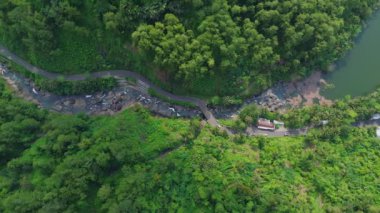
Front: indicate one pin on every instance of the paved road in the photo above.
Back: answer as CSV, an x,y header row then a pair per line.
x,y
116,74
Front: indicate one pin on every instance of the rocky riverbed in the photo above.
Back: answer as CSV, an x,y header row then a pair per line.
x,y
108,103
280,98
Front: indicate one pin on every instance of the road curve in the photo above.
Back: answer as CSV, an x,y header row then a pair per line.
x,y
117,74
201,104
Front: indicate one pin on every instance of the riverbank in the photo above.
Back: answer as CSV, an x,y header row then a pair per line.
x,y
280,98
357,73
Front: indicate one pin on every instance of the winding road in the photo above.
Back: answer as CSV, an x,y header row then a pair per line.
x,y
141,80
121,74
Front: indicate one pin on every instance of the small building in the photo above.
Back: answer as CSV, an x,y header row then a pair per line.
x,y
278,124
378,132
265,124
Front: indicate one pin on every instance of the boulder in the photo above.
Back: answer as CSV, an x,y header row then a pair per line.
x,y
79,103
69,102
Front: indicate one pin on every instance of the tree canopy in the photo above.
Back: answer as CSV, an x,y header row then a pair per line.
x,y
220,47
135,162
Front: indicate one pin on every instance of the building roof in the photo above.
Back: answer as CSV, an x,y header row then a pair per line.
x,y
265,123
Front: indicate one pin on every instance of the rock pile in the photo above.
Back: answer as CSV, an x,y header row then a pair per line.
x,y
116,100
271,101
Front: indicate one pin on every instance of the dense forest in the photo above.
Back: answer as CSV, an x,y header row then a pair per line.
x,y
203,47
135,162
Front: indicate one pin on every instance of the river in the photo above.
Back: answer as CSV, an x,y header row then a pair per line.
x,y
358,73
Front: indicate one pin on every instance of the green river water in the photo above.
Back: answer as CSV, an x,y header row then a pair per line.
x,y
359,72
